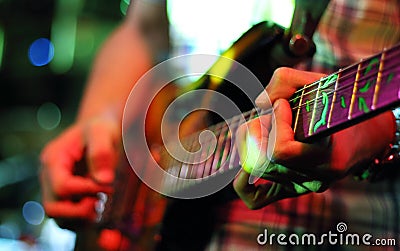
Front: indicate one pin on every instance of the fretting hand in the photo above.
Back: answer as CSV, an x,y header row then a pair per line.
x,y
298,168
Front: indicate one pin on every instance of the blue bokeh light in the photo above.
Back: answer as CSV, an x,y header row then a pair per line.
x,y
33,212
41,52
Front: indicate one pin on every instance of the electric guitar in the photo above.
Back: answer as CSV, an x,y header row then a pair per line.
x,y
335,102
130,208
342,99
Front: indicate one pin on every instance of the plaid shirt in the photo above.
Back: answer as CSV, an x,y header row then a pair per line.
x,y
348,31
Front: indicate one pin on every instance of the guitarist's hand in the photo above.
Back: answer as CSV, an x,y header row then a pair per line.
x,y
298,168
69,187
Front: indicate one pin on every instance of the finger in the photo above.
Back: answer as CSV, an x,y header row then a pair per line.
x,y
287,150
252,140
58,183
78,186
83,209
285,146
256,196
64,151
102,152
58,160
284,83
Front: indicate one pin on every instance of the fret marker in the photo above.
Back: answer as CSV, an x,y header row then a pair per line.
x,y
390,78
308,108
325,101
370,65
333,98
366,86
322,121
310,128
362,105
342,102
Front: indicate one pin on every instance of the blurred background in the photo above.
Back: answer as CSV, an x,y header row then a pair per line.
x,y
46,50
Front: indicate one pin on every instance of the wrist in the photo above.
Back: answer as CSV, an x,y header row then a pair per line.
x,y
111,114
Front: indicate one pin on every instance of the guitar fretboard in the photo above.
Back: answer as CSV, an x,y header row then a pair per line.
x,y
348,96
223,156
337,101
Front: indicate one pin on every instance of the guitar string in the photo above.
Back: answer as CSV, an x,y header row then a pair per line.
x,y
389,53
385,72
345,77
210,165
370,74
205,165
247,114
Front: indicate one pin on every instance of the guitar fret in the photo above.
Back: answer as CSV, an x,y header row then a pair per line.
x,y
225,152
334,98
233,161
173,169
218,155
353,95
197,157
296,121
312,122
185,167
320,108
206,164
210,160
234,157
378,81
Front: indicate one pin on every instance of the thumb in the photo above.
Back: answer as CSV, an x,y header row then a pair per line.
x,y
102,152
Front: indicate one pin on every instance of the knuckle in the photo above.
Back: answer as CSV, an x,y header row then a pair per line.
x,y
278,83
281,72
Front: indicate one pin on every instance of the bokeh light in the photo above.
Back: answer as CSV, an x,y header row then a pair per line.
x,y
41,52
9,231
49,116
33,212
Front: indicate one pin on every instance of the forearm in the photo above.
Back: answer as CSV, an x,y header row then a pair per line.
x,y
122,60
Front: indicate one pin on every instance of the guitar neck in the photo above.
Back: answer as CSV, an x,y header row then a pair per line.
x,y
335,102
222,160
347,97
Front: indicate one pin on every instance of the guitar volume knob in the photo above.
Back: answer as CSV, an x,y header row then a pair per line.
x,y
300,45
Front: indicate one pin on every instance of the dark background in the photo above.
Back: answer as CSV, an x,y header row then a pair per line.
x,y
30,94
